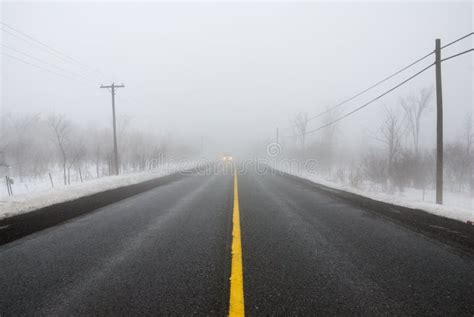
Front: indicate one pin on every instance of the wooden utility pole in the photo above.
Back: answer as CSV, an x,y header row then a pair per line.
x,y
439,125
112,90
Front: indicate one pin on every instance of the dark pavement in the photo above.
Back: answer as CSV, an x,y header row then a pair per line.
x,y
161,252
167,251
306,253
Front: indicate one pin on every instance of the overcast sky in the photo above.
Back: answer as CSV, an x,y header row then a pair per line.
x,y
231,72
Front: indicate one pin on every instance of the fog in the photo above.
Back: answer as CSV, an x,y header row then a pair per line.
x,y
264,158
230,73
206,79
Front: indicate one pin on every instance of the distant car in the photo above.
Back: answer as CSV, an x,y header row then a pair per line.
x,y
227,158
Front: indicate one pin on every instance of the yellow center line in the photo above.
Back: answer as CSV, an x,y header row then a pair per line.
x,y
236,301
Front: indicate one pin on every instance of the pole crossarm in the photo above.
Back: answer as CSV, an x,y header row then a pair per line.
x,y
112,86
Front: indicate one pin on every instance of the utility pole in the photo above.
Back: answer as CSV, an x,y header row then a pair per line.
x,y
439,125
112,90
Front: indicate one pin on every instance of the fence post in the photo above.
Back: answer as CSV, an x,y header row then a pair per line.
x,y
7,182
51,180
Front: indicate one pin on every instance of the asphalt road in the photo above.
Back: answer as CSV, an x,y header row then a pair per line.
x,y
168,251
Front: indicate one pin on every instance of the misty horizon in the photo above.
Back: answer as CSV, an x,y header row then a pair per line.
x,y
231,73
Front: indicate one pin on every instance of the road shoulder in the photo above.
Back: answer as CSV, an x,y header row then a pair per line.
x,y
18,226
445,230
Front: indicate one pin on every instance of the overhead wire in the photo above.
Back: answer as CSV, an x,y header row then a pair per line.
x,y
12,31
87,70
390,77
39,60
387,78
372,86
456,55
37,66
91,73
457,40
371,101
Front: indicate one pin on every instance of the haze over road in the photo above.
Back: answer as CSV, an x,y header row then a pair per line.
x,y
168,251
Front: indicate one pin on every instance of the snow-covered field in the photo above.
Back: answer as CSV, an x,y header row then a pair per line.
x,y
34,194
457,206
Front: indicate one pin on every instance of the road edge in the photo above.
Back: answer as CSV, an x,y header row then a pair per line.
x,y
449,231
18,226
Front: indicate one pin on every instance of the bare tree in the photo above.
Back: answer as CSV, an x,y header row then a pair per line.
x,y
457,165
123,124
374,167
3,162
3,144
328,139
468,134
77,154
390,134
61,136
300,124
97,146
469,137
22,142
414,106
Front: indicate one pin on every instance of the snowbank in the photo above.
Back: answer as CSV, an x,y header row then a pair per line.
x,y
407,199
26,202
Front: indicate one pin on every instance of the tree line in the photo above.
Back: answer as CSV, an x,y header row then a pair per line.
x,y
396,159
32,145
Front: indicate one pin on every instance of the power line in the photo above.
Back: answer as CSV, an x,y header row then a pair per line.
x,y
371,101
457,40
373,86
37,66
52,50
389,77
458,54
67,58
48,48
90,71
40,60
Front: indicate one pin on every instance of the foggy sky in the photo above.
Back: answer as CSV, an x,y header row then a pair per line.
x,y
232,72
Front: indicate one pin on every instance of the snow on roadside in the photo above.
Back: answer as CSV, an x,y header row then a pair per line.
x,y
18,204
449,211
